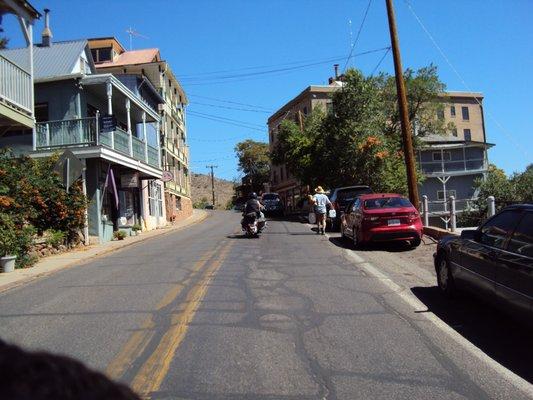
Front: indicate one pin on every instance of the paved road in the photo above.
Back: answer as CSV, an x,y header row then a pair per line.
x,y
205,314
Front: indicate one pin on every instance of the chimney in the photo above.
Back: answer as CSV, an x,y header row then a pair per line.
x,y
47,33
336,66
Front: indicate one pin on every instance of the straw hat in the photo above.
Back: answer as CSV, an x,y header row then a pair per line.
x,y
319,189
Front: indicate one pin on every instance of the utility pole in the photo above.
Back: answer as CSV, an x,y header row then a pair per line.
x,y
212,181
404,114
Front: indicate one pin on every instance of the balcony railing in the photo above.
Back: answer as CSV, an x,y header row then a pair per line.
x,y
83,132
15,85
443,167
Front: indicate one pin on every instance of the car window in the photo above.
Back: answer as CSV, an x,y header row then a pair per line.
x,y
522,240
270,196
351,194
387,202
496,230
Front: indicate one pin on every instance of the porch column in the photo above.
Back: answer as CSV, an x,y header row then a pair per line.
x,y
109,91
128,121
158,145
145,138
86,211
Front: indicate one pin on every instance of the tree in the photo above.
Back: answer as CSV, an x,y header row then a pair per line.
x,y
254,162
360,141
3,42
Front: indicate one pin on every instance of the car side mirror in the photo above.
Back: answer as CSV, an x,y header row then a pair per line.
x,y
471,234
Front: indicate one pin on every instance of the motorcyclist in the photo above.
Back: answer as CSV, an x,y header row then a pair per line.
x,y
252,211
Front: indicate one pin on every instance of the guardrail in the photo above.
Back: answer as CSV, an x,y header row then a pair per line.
x,y
441,167
82,132
15,85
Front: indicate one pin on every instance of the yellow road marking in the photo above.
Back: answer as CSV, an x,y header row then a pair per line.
x,y
155,369
138,341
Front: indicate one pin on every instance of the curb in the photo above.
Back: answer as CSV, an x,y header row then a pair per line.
x,y
27,279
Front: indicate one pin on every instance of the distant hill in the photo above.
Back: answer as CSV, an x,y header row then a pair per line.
x,y
201,189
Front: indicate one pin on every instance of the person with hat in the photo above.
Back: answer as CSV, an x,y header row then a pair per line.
x,y
320,203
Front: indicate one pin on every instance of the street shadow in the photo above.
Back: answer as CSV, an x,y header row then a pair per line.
x,y
391,247
501,337
242,236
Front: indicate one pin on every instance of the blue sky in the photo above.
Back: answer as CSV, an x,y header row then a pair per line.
x,y
489,42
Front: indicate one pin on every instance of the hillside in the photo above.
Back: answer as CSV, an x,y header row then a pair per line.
x,y
201,189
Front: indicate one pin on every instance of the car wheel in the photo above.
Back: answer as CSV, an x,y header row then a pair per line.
x,y
415,242
445,277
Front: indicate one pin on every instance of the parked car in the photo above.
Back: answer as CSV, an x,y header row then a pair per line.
x,y
494,261
381,217
340,198
273,204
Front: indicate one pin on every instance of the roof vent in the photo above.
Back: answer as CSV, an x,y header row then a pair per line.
x,y
47,33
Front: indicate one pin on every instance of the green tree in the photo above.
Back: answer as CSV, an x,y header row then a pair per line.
x,y
254,162
360,141
3,42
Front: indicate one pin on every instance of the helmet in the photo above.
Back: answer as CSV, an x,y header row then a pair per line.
x,y
253,195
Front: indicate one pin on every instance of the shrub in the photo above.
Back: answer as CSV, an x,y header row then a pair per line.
x,y
119,235
55,238
16,239
137,227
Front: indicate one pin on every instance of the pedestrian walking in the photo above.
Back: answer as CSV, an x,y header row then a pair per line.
x,y
320,204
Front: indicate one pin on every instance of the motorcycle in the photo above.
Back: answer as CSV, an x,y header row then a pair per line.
x,y
252,225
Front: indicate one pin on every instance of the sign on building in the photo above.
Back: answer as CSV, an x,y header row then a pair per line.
x,y
108,123
129,180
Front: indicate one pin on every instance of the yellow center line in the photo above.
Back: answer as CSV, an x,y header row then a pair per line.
x,y
138,340
155,369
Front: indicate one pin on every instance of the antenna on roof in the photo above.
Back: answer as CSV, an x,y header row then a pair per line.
x,y
130,31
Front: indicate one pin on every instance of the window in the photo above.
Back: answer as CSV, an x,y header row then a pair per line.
x,y
178,203
41,112
496,230
440,114
454,132
466,114
440,194
468,135
155,200
522,240
437,156
452,111
305,110
387,202
94,53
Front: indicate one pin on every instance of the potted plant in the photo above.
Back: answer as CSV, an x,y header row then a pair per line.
x,y
8,243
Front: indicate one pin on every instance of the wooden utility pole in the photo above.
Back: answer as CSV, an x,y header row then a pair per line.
x,y
212,181
404,113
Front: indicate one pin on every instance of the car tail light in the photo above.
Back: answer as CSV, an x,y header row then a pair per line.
x,y
412,216
335,205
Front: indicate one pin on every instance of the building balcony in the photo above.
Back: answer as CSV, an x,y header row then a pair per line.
x,y
84,133
15,95
456,167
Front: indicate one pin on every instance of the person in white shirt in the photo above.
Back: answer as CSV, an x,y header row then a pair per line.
x,y
320,203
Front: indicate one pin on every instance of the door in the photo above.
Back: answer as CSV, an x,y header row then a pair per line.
x,y
477,259
514,273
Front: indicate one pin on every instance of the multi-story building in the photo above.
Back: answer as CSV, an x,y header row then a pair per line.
x,y
281,179
450,163
107,126
453,162
16,79
137,66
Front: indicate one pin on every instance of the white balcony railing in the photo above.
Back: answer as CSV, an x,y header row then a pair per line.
x,y
449,167
15,85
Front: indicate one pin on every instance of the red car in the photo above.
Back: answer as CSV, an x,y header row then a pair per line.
x,y
381,217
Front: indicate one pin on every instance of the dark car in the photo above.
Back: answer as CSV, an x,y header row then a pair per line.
x,y
340,198
381,217
494,261
272,203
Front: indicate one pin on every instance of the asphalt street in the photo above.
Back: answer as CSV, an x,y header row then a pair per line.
x,y
204,313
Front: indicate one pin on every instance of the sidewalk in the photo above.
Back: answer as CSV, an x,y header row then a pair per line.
x,y
49,265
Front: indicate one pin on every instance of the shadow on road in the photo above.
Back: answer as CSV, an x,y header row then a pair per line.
x,y
242,236
499,336
391,247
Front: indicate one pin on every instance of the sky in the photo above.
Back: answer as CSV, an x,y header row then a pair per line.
x,y
488,44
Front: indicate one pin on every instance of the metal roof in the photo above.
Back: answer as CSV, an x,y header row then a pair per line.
x,y
56,60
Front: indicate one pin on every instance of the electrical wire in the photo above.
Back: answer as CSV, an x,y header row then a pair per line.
x,y
229,107
379,62
229,102
231,123
357,37
502,129
227,119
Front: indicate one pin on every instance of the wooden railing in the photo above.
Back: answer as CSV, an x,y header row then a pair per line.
x,y
15,85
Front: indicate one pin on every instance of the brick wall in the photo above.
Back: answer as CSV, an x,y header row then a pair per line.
x,y
185,209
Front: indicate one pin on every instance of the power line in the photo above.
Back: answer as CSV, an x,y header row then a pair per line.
x,y
226,119
274,72
230,108
229,101
216,119
358,34
379,62
506,133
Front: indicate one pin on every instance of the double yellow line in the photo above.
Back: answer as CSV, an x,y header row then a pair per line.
x,y
152,373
